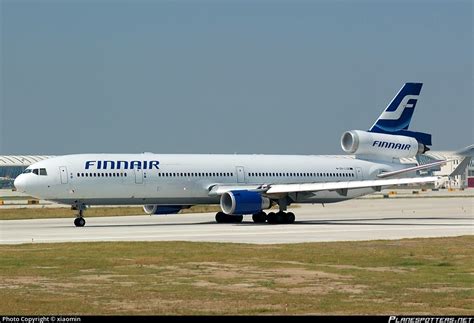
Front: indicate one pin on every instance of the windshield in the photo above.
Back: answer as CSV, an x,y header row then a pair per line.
x,y
36,171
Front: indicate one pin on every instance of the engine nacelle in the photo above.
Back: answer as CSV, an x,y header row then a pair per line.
x,y
161,209
243,202
371,143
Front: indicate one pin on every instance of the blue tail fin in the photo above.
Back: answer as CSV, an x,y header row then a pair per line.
x,y
397,116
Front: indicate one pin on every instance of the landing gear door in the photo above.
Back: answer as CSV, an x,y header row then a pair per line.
x,y
63,174
138,176
240,174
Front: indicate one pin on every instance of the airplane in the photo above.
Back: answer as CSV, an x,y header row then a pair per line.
x,y
240,184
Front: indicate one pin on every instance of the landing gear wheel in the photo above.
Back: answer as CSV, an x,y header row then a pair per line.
x,y
281,217
236,218
272,218
290,218
79,222
221,217
260,217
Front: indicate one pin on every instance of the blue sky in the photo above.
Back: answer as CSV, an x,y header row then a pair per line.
x,y
283,77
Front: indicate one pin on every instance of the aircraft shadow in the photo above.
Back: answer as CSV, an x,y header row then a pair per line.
x,y
145,224
375,221
355,222
387,221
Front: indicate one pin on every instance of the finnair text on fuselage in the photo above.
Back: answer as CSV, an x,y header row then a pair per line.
x,y
122,164
391,145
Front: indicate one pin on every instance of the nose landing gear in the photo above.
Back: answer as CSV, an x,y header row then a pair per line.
x,y
79,221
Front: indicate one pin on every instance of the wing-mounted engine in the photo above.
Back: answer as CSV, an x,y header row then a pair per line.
x,y
378,144
243,202
161,209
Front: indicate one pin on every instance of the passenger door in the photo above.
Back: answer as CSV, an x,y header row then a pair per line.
x,y
240,174
138,176
63,174
359,174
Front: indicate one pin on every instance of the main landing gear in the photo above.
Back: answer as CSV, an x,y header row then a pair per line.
x,y
261,217
79,221
274,218
280,217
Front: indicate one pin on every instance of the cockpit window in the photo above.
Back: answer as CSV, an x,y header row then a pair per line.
x,y
36,171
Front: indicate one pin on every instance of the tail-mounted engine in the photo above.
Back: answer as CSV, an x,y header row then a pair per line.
x,y
377,144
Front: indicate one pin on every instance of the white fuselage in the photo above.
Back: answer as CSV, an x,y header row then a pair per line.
x,y
165,179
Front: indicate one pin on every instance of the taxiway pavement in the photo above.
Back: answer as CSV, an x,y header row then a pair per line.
x,y
359,219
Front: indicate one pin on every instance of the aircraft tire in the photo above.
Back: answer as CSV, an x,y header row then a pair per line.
x,y
272,218
281,218
236,218
221,217
260,217
290,218
79,222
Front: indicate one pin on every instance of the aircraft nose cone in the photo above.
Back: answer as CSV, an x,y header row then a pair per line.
x,y
19,183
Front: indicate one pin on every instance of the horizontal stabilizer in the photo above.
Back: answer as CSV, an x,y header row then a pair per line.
x,y
412,169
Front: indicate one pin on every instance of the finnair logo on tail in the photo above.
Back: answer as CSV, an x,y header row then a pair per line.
x,y
397,113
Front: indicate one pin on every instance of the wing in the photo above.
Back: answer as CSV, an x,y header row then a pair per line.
x,y
270,189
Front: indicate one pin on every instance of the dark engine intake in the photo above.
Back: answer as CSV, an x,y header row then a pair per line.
x,y
243,202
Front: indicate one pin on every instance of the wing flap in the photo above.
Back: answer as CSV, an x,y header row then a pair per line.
x,y
331,186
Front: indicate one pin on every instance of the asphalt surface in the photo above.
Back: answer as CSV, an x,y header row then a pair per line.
x,y
361,219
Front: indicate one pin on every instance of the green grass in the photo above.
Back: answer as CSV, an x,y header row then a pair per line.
x,y
410,276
